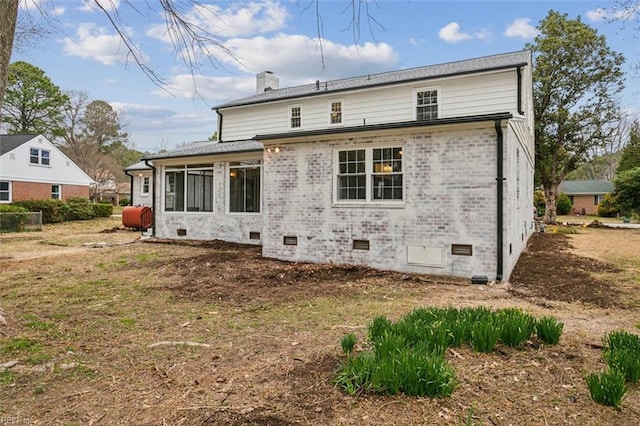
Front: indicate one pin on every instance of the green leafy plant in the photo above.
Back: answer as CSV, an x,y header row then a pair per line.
x,y
549,330
516,326
79,209
607,388
563,205
348,342
485,335
622,353
53,211
102,209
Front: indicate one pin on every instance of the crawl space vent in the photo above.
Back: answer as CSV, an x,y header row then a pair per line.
x,y
361,244
461,249
254,235
290,241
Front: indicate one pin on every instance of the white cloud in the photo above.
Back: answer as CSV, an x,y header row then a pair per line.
x,y
215,90
96,5
239,19
96,43
625,14
41,6
451,33
597,15
522,28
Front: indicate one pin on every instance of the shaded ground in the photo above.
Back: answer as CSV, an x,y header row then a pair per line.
x,y
103,333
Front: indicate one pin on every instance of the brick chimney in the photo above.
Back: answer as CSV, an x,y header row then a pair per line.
x,y
266,81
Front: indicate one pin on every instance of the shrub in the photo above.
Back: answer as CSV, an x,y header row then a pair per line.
x,y
79,209
539,201
124,202
549,330
607,388
621,351
563,204
515,326
102,209
608,206
53,211
12,218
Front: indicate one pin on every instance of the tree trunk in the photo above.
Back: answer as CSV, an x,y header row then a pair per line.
x,y
8,18
551,199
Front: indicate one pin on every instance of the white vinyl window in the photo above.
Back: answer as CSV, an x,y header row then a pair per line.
x,y
5,191
295,116
189,188
335,112
426,104
370,175
146,183
55,192
39,156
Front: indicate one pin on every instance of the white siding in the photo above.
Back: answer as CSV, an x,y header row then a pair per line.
x,y
458,96
138,198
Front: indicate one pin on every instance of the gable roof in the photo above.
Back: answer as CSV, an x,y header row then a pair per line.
x,y
195,149
11,142
469,66
140,165
585,187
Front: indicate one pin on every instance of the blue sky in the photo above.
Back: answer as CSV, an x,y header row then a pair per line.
x,y
86,54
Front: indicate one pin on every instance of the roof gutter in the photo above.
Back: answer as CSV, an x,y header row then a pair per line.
x,y
519,73
500,200
153,195
219,125
126,172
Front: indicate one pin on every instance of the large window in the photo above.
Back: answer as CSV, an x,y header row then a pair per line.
x,y
427,104
55,192
39,156
244,186
189,188
370,174
295,117
335,112
5,192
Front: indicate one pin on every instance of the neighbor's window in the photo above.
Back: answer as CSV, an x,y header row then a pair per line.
x,y
295,117
55,192
39,156
427,104
189,187
335,113
4,191
146,182
370,174
597,199
244,186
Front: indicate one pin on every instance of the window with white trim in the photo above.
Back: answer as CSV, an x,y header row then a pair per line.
x,y
189,188
146,183
335,112
244,186
426,102
370,174
5,191
55,192
39,156
295,116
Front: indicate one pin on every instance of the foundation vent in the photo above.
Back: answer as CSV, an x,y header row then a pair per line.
x,y
290,241
462,249
361,244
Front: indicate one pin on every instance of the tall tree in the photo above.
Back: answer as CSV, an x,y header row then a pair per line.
x,y
576,78
8,19
630,158
627,192
102,124
32,103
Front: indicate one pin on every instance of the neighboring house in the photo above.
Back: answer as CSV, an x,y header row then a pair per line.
x,y
31,168
425,170
141,184
585,195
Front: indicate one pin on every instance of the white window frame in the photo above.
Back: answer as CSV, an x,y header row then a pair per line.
x,y
41,159
330,110
369,175
438,91
7,191
186,168
56,195
144,179
290,116
229,168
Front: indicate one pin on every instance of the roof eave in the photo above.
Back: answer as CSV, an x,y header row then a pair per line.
x,y
203,154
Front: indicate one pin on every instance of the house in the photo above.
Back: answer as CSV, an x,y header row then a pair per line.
x,y
31,167
585,195
423,170
141,184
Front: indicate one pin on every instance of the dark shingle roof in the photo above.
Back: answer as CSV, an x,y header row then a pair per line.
x,y
209,148
140,165
11,142
469,66
585,187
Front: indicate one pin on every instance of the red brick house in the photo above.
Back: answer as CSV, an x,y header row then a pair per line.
x,y
585,195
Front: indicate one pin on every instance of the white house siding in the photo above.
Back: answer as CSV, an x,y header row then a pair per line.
x,y
459,96
216,225
138,198
449,191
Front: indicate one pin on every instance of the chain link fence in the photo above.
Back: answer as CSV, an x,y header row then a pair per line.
x,y
20,221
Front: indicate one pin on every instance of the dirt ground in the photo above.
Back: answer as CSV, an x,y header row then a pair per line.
x,y
184,333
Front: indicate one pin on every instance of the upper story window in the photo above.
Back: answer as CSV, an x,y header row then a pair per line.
x,y
244,186
335,112
146,183
5,191
295,116
426,104
39,156
189,186
55,192
370,174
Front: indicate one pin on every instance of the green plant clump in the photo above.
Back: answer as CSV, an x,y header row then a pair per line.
x,y
348,342
53,211
549,330
102,209
516,326
622,353
607,388
79,209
